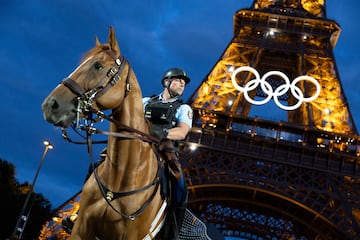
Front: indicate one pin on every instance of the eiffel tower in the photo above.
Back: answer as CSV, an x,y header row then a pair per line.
x,y
259,178
255,178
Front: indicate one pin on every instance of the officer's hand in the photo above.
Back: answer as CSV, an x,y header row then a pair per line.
x,y
159,132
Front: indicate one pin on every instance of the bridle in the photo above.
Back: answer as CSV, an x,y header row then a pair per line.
x,y
85,99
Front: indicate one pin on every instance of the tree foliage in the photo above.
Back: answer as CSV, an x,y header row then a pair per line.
x,y
13,195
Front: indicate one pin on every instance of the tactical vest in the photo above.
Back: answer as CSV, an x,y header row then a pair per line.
x,y
162,114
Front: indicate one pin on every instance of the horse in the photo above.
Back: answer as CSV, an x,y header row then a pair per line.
x,y
121,199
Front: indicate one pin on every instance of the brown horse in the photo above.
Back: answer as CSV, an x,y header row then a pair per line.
x,y
121,199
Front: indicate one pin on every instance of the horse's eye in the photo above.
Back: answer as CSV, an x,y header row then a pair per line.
x,y
98,66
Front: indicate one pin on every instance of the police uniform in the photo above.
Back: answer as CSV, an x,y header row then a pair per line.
x,y
183,112
164,115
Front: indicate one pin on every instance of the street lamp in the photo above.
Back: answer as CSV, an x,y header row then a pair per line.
x,y
24,215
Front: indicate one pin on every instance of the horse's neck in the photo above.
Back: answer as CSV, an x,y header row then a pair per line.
x,y
130,114
127,157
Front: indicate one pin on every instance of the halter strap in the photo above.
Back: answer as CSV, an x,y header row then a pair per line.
x,y
111,78
73,86
114,75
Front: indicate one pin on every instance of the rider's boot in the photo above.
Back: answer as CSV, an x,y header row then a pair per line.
x,y
180,200
180,209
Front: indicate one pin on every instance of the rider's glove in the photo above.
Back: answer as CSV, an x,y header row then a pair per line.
x,y
159,132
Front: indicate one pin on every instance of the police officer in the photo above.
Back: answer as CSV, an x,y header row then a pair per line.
x,y
174,127
171,121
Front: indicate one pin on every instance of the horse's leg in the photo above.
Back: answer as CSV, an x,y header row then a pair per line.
x,y
85,225
82,229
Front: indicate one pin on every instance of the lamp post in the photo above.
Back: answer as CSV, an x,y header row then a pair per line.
x,y
22,220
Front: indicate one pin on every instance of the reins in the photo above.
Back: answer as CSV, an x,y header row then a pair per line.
x,y
140,135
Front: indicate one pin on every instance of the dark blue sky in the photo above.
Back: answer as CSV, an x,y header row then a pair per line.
x,y
42,42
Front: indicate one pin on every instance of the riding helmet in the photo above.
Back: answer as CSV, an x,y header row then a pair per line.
x,y
175,72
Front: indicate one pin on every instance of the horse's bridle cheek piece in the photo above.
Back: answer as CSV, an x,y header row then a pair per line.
x,y
86,98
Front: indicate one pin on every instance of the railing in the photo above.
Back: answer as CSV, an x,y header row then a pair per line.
x,y
348,144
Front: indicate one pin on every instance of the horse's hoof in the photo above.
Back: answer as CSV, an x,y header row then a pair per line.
x,y
68,223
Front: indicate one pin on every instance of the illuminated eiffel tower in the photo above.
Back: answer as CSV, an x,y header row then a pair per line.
x,y
296,177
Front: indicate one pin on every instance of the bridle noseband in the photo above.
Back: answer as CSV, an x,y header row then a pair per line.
x,y
111,78
85,98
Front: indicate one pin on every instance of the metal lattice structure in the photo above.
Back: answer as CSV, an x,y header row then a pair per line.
x,y
256,183
297,178
291,179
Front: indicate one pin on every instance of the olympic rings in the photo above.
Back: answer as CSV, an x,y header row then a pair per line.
x,y
280,90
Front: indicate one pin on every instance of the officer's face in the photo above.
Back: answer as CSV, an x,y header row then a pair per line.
x,y
177,85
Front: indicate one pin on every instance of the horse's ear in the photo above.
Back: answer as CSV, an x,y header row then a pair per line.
x,y
113,41
97,42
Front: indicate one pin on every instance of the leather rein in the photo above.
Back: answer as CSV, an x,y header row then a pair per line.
x,y
85,100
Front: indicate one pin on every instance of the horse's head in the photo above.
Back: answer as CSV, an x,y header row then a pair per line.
x,y
101,81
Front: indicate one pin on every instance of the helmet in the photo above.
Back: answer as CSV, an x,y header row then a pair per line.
x,y
175,72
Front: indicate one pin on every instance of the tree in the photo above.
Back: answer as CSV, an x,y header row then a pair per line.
x,y
13,195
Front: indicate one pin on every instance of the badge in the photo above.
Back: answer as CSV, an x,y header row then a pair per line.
x,y
190,114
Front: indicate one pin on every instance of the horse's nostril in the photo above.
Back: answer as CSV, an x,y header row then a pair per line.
x,y
54,104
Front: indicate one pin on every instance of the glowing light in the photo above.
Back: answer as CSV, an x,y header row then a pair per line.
x,y
48,144
231,69
192,147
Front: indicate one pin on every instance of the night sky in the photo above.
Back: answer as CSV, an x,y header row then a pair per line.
x,y
43,41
